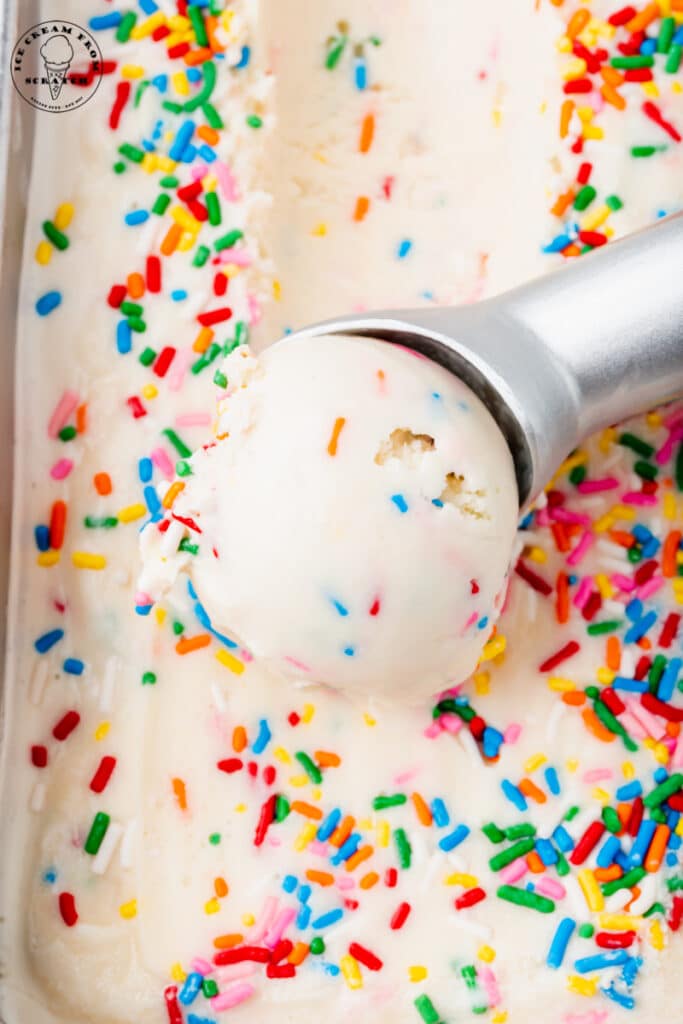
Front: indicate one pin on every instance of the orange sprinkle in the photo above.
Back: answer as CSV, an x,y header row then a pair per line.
x,y
594,725
57,524
199,56
308,810
361,854
624,814
367,133
571,250
578,22
673,729
644,17
171,239
336,431
362,207
298,954
102,482
320,877
187,644
211,24
562,599
655,855
530,789
644,643
367,881
621,537
239,739
180,793
613,656
208,135
562,202
535,863
82,418
635,894
669,549
172,493
325,759
575,698
342,831
612,75
677,5
611,96
609,874
220,887
424,815
566,112
203,340
135,283
228,941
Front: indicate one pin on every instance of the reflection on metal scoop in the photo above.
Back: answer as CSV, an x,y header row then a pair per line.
x,y
563,356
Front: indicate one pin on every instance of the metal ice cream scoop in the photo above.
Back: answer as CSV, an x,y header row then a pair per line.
x,y
556,359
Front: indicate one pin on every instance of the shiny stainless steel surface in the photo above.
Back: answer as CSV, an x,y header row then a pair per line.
x,y
597,341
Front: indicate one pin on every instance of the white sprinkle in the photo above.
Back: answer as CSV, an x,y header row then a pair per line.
x,y
37,801
39,681
482,931
218,699
106,850
108,683
557,713
127,843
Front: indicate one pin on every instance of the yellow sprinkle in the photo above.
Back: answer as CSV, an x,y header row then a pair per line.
x,y
417,972
534,762
607,439
319,231
591,890
178,23
209,182
43,253
187,241
281,754
230,661
624,512
351,971
601,795
560,684
669,506
582,986
603,523
572,765
177,972
538,555
307,713
231,270
486,954
102,730
306,836
651,90
149,391
482,682
497,116
604,586
383,833
628,770
317,794
677,87
298,780
46,559
594,220
160,615
180,83
493,647
591,131
564,44
368,719
277,290
240,808
64,216
131,512
212,906
619,922
184,219
149,25
150,163
131,71
88,560
165,163
128,910
679,828
661,753
578,459
657,940
320,157
460,878
605,675
499,1017
248,920
574,68
586,114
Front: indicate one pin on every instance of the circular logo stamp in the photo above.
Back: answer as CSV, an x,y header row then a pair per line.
x,y
57,66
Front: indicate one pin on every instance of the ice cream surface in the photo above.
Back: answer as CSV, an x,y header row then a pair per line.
x,y
374,493
187,838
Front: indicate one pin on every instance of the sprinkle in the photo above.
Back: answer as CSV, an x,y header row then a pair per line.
x,y
523,898
67,909
367,133
334,439
558,946
400,916
48,302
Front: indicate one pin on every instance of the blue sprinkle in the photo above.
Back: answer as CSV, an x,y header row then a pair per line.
x,y
558,243
667,683
526,521
350,652
609,850
48,640
303,917
304,893
203,617
360,73
206,153
192,1018
455,838
143,609
152,500
190,990
513,794
263,738
328,826
178,294
347,849
136,217
648,47
622,998
160,83
438,502
244,59
672,820
629,791
331,917
651,548
640,628
671,860
492,741
630,685
641,844
404,248
634,610
42,535
678,36
194,75
145,470
660,774
400,503
552,781
439,813
558,947
124,337
148,6
149,146
343,611
622,860
631,968
641,533
189,154
328,968
74,666
48,302
50,876
615,958
562,839
546,851
104,21
289,883
483,623
182,140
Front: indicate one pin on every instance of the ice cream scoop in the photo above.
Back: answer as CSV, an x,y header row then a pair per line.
x,y
554,360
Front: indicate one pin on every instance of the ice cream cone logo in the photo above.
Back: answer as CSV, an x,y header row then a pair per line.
x,y
57,54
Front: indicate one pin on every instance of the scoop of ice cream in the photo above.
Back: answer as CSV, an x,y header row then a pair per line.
x,y
57,50
353,520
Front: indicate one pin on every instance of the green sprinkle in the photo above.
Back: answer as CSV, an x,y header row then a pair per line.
x,y
281,808
562,866
54,235
523,831
614,202
254,121
493,833
177,443
645,469
609,626
67,433
142,88
659,815
187,545
586,931
178,628
592,691
227,241
172,107
666,789
611,820
149,678
678,468
120,167
572,812
505,857
612,723
220,380
213,206
213,118
183,468
522,898
673,61
674,884
634,555
585,197
423,1004
147,356
101,522
380,803
241,332
215,838
209,988
317,945
201,255
310,767
636,444
577,475
666,34
132,152
198,26
137,324
126,26
656,672
626,881
403,847
216,6
97,832
131,308
656,908
208,85
336,47
641,151
169,181
636,61
161,204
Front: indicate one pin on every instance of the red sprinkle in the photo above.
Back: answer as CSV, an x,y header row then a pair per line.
x,y
577,85
179,50
57,525
563,654
365,957
67,908
266,817
164,360
189,192
66,725
375,607
214,316
293,718
257,954
103,774
284,971
400,916
638,74
136,407
122,97
585,171
220,284
623,15
652,111
153,274
282,950
117,294
676,914
175,1015
39,756
613,701
470,898
659,707
594,238
269,774
230,765
669,630
390,877
636,816
615,940
533,579
588,841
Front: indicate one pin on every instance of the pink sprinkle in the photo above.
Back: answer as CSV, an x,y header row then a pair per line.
x,y
513,872
345,882
181,364
239,257
317,848
677,756
667,449
632,725
61,469
452,691
543,517
592,1017
581,548
254,309
235,971
651,587
512,733
264,921
451,723
142,599
233,996
279,926
649,722
675,418
163,463
488,979
296,663
470,622
226,180
606,483
60,416
200,171
622,582
564,515
202,967
194,419
407,776
551,887
246,655
597,775
583,592
637,498
433,730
